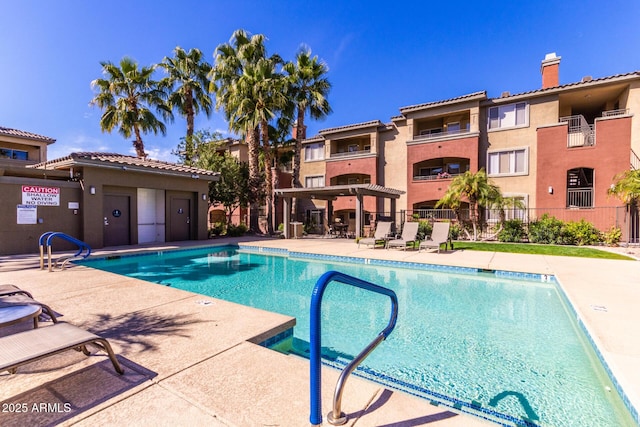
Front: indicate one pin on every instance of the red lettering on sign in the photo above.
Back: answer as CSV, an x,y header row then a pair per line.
x,y
36,189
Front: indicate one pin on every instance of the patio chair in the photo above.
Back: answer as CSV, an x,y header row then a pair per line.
x,y
409,235
439,235
35,344
381,235
11,295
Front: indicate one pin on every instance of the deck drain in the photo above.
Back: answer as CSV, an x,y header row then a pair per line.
x,y
204,302
599,308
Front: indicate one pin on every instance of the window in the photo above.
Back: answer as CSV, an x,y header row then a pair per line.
x,y
515,206
314,152
314,181
508,116
508,162
580,188
8,153
353,148
453,127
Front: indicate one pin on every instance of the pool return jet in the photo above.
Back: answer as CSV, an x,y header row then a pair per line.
x,y
336,416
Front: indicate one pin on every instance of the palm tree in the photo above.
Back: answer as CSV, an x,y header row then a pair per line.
x,y
189,75
627,187
261,97
231,59
308,88
127,94
476,189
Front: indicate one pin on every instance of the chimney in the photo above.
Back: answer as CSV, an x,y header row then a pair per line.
x,y
550,70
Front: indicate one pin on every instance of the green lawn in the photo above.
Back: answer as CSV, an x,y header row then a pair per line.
x,y
531,248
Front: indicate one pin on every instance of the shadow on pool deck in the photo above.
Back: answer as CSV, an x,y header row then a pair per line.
x,y
189,363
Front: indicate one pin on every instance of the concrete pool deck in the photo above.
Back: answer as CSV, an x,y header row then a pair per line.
x,y
193,360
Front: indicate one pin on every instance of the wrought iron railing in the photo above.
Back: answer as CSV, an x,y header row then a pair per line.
x,y
434,135
351,154
580,197
581,133
618,112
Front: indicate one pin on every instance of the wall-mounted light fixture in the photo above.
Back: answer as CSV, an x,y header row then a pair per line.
x,y
92,189
195,176
124,168
204,196
550,190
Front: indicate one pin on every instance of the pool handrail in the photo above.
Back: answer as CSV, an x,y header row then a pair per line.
x,y
336,416
46,240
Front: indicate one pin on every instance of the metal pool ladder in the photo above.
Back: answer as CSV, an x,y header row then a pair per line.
x,y
45,240
336,416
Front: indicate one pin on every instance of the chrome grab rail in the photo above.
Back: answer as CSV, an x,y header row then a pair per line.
x,y
336,416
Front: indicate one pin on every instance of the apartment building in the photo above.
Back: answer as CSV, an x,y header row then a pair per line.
x,y
557,149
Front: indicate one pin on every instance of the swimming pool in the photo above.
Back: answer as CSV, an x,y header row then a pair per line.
x,y
464,338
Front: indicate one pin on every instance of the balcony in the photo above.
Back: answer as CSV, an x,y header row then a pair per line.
x,y
580,197
437,134
581,133
443,175
351,153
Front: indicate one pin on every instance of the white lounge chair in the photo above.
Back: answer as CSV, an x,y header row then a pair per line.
x,y
381,234
439,235
409,235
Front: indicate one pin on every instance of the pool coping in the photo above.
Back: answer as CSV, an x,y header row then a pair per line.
x,y
509,274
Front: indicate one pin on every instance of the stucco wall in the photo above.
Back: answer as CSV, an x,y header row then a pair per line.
x,y
23,238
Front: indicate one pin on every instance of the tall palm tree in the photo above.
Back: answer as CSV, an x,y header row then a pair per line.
x,y
261,97
127,94
476,189
231,59
309,89
188,86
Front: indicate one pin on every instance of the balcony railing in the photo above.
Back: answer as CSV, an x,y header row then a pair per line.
x,y
355,153
635,160
434,177
436,135
580,197
613,113
581,133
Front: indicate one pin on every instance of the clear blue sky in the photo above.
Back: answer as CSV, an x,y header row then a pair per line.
x,y
381,55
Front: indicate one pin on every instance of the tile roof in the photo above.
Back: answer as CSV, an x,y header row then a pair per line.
x,y
474,95
24,134
352,126
590,82
121,160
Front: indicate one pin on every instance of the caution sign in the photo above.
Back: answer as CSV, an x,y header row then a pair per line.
x,y
35,195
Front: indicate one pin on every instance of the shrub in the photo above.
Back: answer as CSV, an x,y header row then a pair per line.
x,y
424,229
236,230
547,229
613,236
581,233
216,229
512,231
454,231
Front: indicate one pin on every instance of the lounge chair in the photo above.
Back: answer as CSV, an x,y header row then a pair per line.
x,y
381,235
439,235
11,295
35,344
409,235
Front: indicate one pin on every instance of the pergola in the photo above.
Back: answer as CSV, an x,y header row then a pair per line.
x,y
331,193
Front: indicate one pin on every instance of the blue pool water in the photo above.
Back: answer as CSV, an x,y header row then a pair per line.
x,y
508,348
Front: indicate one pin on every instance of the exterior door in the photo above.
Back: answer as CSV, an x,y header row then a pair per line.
x,y
180,219
116,228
